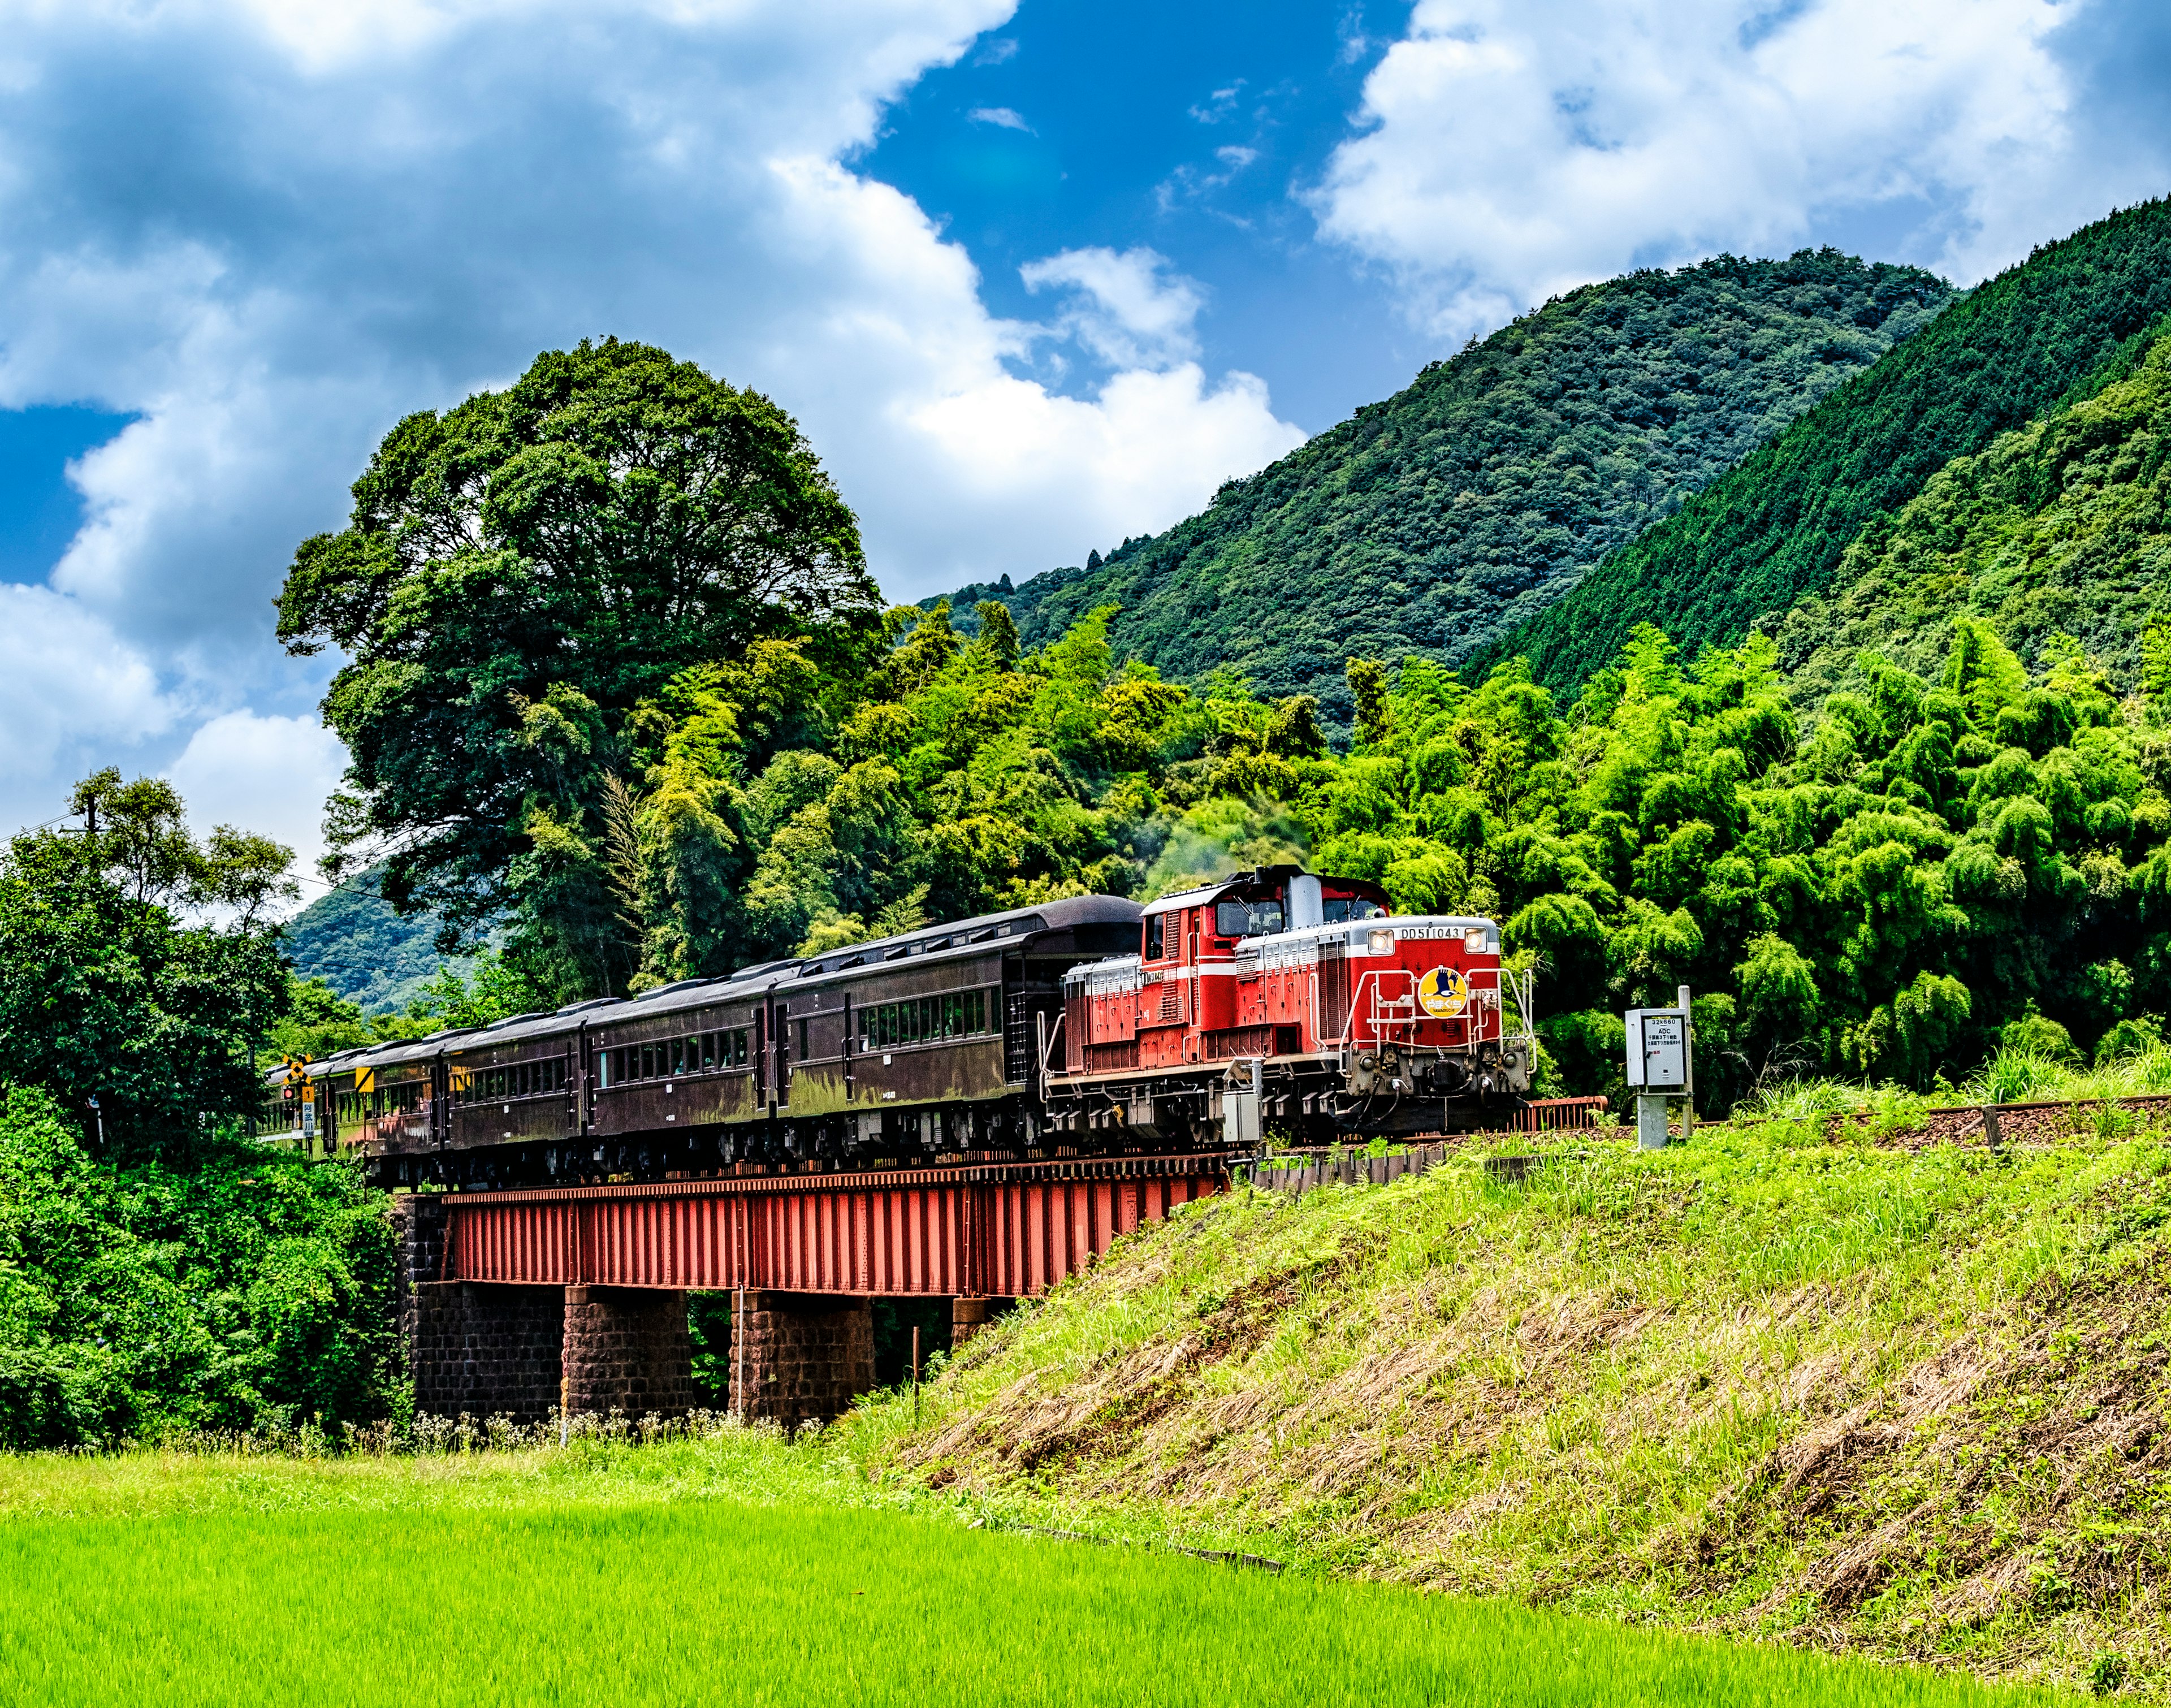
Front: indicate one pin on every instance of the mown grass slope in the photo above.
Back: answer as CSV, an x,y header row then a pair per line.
x,y
1904,1403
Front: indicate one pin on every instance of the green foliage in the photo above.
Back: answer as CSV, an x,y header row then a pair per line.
x,y
1877,894
105,995
1774,528
519,575
1438,521
248,1290
2056,539
136,835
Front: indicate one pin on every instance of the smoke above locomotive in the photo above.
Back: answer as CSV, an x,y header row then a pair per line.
x,y
1086,1026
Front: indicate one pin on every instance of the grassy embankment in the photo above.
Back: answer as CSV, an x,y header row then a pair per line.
x,y
1906,1403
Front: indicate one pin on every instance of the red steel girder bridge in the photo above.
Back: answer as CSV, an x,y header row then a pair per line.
x,y
996,1229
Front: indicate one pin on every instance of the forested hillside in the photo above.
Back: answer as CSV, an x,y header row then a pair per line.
x,y
2062,527
363,949
1774,529
1440,520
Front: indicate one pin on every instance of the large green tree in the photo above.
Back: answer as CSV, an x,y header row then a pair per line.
x,y
142,1024
519,573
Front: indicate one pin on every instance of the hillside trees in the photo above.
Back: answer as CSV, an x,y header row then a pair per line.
x,y
2061,528
1773,529
107,995
519,575
1441,518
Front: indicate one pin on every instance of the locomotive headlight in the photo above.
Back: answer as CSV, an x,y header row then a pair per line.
x,y
1380,941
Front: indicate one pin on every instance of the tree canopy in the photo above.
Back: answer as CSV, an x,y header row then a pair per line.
x,y
518,574
106,994
1774,528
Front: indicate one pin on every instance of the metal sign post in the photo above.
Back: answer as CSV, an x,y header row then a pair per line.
x,y
1659,1068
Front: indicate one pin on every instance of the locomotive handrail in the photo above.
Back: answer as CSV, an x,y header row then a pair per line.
x,y
1373,976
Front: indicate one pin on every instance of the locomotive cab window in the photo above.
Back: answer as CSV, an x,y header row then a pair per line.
x,y
1154,950
1246,918
1337,910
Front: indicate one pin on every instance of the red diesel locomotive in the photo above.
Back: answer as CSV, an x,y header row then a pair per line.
x,y
1302,1002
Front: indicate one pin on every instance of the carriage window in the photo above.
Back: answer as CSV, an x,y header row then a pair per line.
x,y
962,1015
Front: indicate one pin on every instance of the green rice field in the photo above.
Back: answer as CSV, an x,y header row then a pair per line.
x,y
163,1580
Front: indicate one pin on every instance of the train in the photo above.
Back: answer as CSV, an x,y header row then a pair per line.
x,y
1272,1001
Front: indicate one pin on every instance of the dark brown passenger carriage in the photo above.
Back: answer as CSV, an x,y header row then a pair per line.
x,y
515,1081
927,1041
687,1056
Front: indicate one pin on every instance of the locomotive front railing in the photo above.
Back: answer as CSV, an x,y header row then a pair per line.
x,y
1386,1012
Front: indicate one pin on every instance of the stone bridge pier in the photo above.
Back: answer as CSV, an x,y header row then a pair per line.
x,y
492,1348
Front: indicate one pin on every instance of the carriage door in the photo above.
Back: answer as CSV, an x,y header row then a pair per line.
x,y
782,1032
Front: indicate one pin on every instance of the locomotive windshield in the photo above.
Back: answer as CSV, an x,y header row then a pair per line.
x,y
1338,909
1246,918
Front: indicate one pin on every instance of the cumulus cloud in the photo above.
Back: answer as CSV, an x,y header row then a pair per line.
x,y
71,689
1126,306
267,232
268,774
1510,152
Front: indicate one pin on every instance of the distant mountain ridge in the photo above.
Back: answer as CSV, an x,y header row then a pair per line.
x,y
1444,518
352,940
1775,530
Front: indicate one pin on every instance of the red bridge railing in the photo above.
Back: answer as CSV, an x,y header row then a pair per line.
x,y
1000,1229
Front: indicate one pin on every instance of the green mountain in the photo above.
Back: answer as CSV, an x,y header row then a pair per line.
x,y
2062,527
352,940
1775,529
1441,520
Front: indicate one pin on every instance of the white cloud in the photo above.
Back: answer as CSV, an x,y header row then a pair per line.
x,y
1003,118
269,232
267,774
1514,150
1126,306
70,690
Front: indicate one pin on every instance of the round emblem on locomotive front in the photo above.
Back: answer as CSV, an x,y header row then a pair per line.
x,y
1444,993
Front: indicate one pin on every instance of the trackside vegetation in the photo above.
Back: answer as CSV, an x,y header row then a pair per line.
x,y
1900,1402
655,1580
144,1298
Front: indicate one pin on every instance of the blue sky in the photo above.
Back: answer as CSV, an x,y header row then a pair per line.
x,y
1034,276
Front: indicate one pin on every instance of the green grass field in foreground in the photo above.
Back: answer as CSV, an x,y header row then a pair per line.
x,y
714,1600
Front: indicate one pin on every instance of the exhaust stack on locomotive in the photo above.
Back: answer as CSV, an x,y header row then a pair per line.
x,y
1030,1033
1342,1015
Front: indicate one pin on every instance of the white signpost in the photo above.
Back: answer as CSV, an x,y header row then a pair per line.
x,y
1661,1067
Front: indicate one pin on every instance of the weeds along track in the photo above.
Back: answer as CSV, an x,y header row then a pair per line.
x,y
1904,1397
